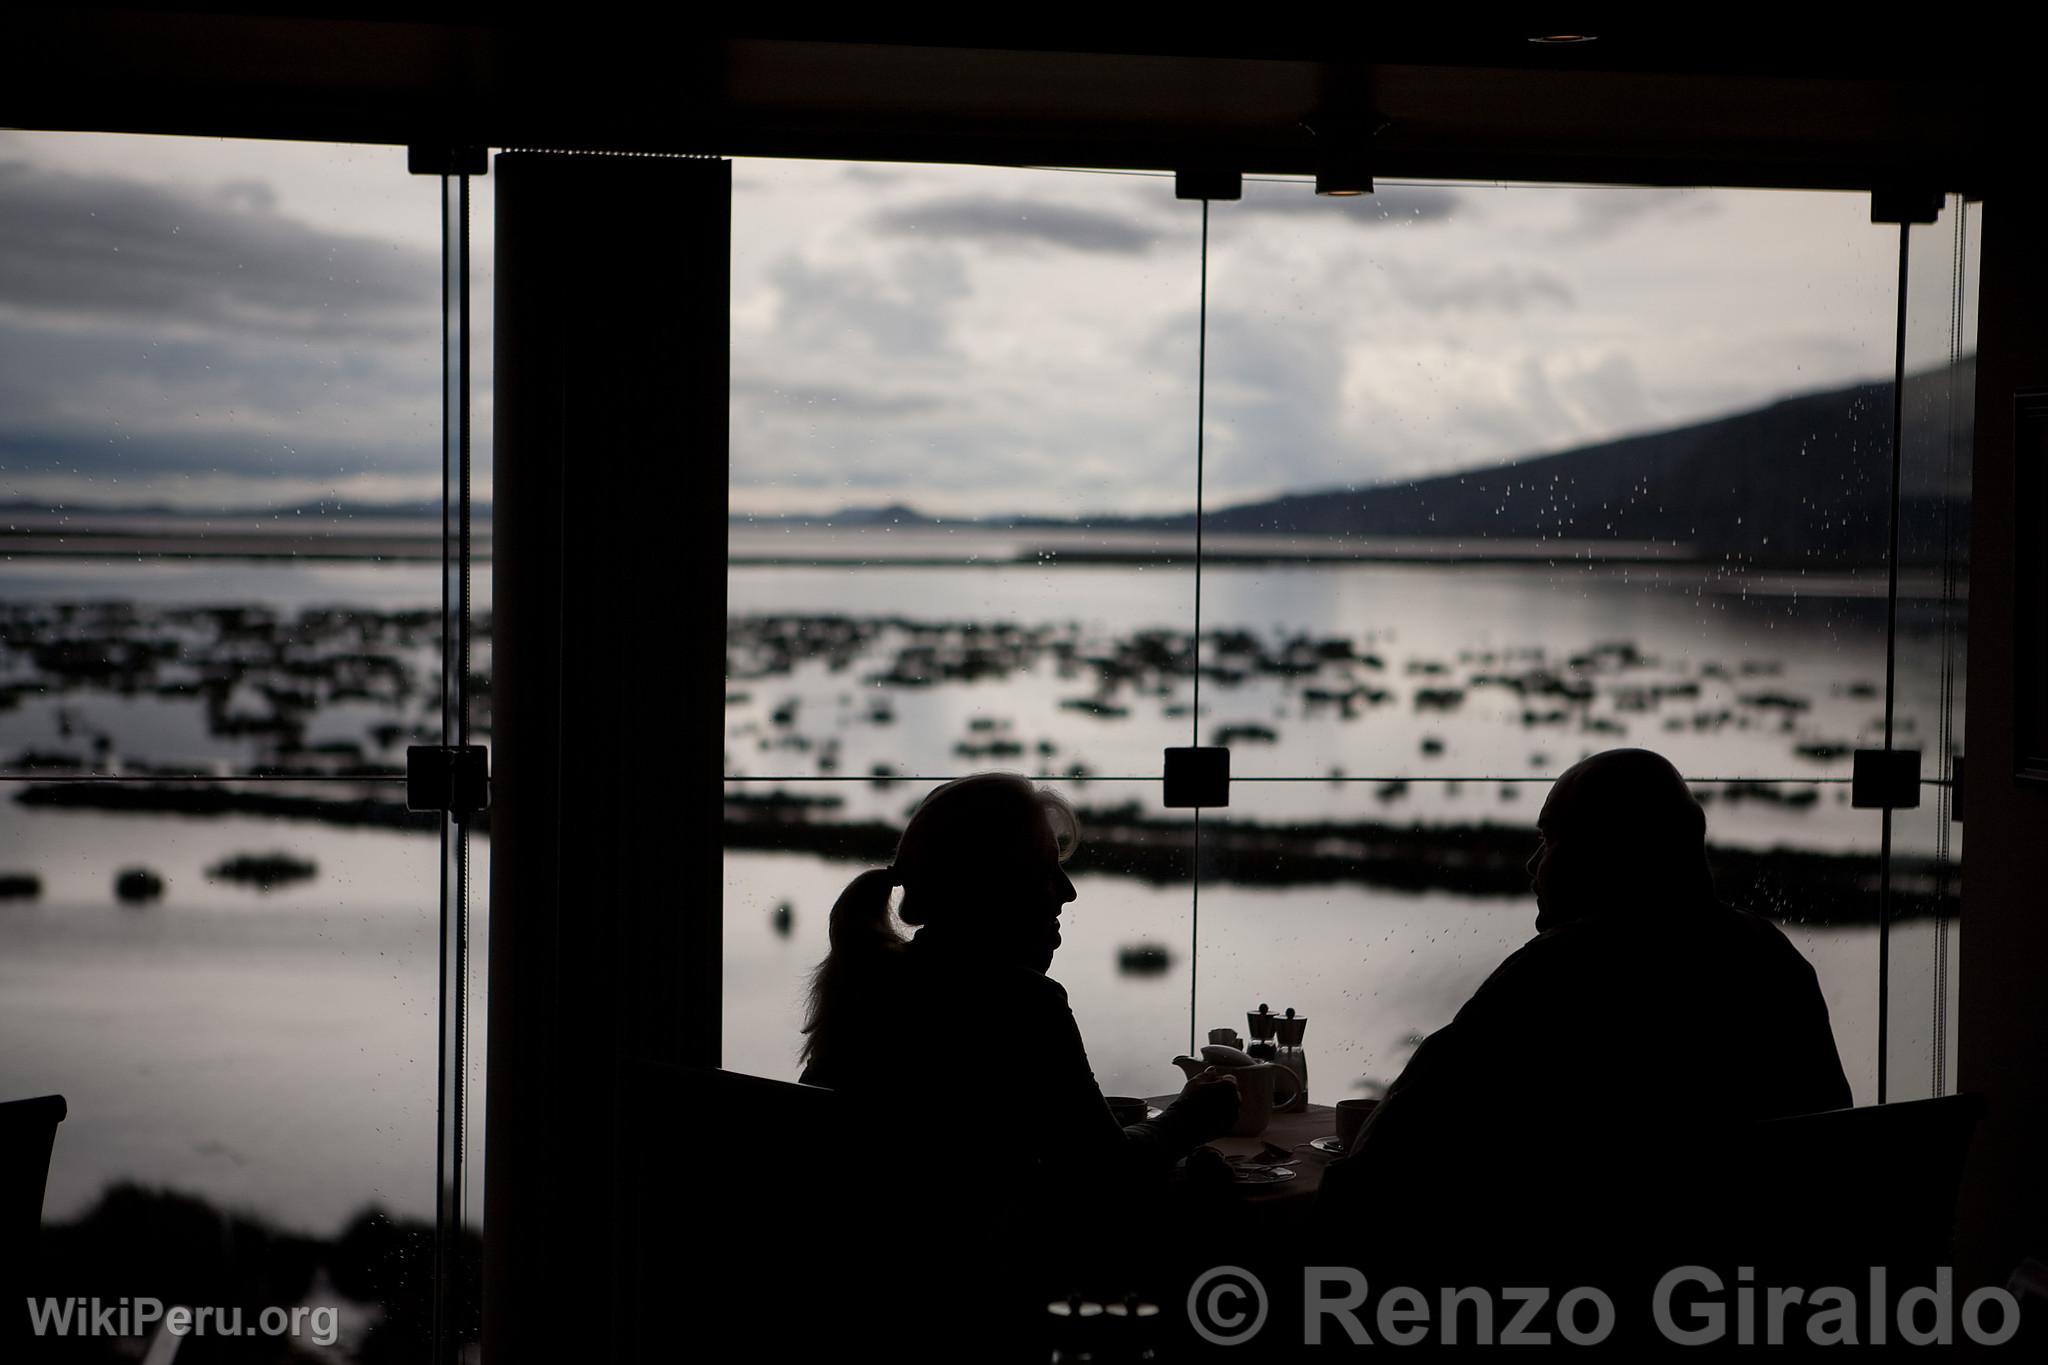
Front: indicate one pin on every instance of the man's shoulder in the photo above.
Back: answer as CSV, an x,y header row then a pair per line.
x,y
1712,921
1752,935
1598,947
1569,947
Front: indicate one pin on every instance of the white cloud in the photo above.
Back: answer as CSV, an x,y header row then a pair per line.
x,y
967,339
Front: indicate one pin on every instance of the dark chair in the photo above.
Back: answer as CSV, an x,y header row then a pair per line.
x,y
28,1132
732,1149
766,1101
1816,1199
1850,1189
805,1225
741,1189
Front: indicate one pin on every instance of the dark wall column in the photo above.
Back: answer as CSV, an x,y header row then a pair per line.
x,y
608,678
2002,1047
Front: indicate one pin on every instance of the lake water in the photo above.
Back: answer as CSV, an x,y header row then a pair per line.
x,y
1737,676
274,1049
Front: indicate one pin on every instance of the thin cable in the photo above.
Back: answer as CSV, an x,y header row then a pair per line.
x,y
1194,931
1201,425
462,620
1195,710
462,626
1945,799
451,1117
1891,670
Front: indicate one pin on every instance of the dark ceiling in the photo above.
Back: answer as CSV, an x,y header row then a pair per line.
x,y
1932,106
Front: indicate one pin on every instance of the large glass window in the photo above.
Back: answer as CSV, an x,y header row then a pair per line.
x,y
221,626
957,395
1489,479
1938,347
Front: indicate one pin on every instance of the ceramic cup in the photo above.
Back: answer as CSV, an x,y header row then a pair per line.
x,y
1351,1116
1126,1110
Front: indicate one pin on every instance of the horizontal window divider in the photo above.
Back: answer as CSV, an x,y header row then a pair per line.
x,y
933,777
394,779
1324,779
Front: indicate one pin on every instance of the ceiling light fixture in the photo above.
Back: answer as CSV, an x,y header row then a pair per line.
x,y
1343,152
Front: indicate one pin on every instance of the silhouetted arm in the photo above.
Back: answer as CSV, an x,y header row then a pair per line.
x,y
1077,1135
1809,1077
1451,1101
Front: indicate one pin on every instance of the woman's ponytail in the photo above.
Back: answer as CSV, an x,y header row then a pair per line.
x,y
860,917
864,946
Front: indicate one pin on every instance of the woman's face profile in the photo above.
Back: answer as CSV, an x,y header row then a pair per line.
x,y
1043,890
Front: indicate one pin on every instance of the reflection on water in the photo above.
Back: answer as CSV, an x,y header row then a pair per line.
x,y
261,1034
270,1049
1396,673
1374,967
266,1041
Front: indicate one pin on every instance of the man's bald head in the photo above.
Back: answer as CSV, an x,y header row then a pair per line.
x,y
1620,830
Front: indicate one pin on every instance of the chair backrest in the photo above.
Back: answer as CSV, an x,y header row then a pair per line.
x,y
745,1189
1860,1187
28,1132
802,1107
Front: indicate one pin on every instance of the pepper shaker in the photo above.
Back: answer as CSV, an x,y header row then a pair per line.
x,y
1288,1031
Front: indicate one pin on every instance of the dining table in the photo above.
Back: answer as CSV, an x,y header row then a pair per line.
x,y
1294,1132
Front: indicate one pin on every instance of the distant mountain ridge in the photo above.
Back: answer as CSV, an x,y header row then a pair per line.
x,y
419,507
1803,481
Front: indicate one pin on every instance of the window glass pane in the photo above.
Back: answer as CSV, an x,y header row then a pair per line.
x,y
1928,705
957,392
219,394
220,415
299,669
1516,473
951,389
233,986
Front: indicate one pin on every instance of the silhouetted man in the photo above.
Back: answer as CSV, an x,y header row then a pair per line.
x,y
1578,1103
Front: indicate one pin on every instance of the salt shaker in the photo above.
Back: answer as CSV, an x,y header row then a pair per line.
x,y
1259,1023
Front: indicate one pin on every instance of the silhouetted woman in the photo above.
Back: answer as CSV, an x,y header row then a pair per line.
x,y
957,1043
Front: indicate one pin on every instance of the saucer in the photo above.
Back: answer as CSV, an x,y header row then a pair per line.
x,y
1262,1175
1328,1144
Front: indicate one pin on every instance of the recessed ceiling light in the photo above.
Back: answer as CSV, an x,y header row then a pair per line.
x,y
1344,152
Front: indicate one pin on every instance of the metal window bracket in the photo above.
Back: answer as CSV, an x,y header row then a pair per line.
x,y
436,158
1905,204
1208,182
1197,777
1886,779
454,779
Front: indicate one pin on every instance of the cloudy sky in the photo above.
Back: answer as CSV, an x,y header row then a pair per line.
x,y
251,324
212,323
968,339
